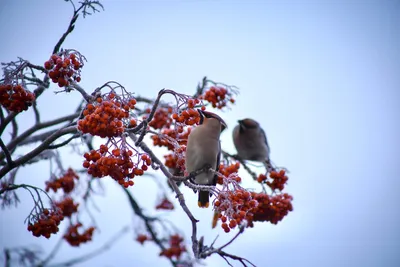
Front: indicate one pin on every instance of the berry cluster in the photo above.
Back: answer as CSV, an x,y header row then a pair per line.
x,y
176,160
107,118
234,206
165,204
189,116
161,119
141,238
272,209
261,178
218,96
74,238
118,164
65,182
176,247
46,223
279,180
229,171
67,206
168,137
15,97
63,67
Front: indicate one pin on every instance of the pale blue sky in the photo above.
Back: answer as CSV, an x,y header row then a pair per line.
x,y
322,78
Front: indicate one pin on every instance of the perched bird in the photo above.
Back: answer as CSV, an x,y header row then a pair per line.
x,y
204,149
251,142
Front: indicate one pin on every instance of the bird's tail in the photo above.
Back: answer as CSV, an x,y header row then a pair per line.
x,y
204,199
215,219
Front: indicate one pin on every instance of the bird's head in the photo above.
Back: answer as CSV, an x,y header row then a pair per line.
x,y
247,123
204,115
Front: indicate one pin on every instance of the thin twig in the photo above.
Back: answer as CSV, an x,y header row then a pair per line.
x,y
64,143
147,221
96,252
17,140
6,153
179,194
22,160
52,253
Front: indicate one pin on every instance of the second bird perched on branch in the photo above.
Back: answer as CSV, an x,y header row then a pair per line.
x,y
251,142
204,149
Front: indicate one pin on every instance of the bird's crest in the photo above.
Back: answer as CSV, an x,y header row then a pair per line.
x,y
206,114
248,123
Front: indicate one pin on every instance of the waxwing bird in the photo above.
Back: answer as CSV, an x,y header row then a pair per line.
x,y
251,142
204,149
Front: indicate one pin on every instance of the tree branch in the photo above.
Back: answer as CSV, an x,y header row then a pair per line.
x,y
17,140
147,221
22,160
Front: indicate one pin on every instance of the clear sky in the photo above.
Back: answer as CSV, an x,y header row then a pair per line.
x,y
322,78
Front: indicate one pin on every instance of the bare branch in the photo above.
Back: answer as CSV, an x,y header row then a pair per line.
x,y
179,194
22,160
65,142
147,221
17,140
6,153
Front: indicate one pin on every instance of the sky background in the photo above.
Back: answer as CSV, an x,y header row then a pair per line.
x,y
321,77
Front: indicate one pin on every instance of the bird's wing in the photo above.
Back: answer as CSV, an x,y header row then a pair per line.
x,y
265,139
218,161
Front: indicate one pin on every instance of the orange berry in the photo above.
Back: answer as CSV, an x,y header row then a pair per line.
x,y
132,102
86,164
232,224
223,219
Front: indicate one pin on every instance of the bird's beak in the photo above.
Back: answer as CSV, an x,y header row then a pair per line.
x,y
223,125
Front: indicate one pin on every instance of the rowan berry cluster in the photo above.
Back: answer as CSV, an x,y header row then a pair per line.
x,y
272,209
165,204
107,118
189,116
15,97
229,171
141,238
218,96
234,206
63,67
45,223
67,206
116,163
176,248
261,178
161,119
65,182
74,238
176,161
170,137
279,180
